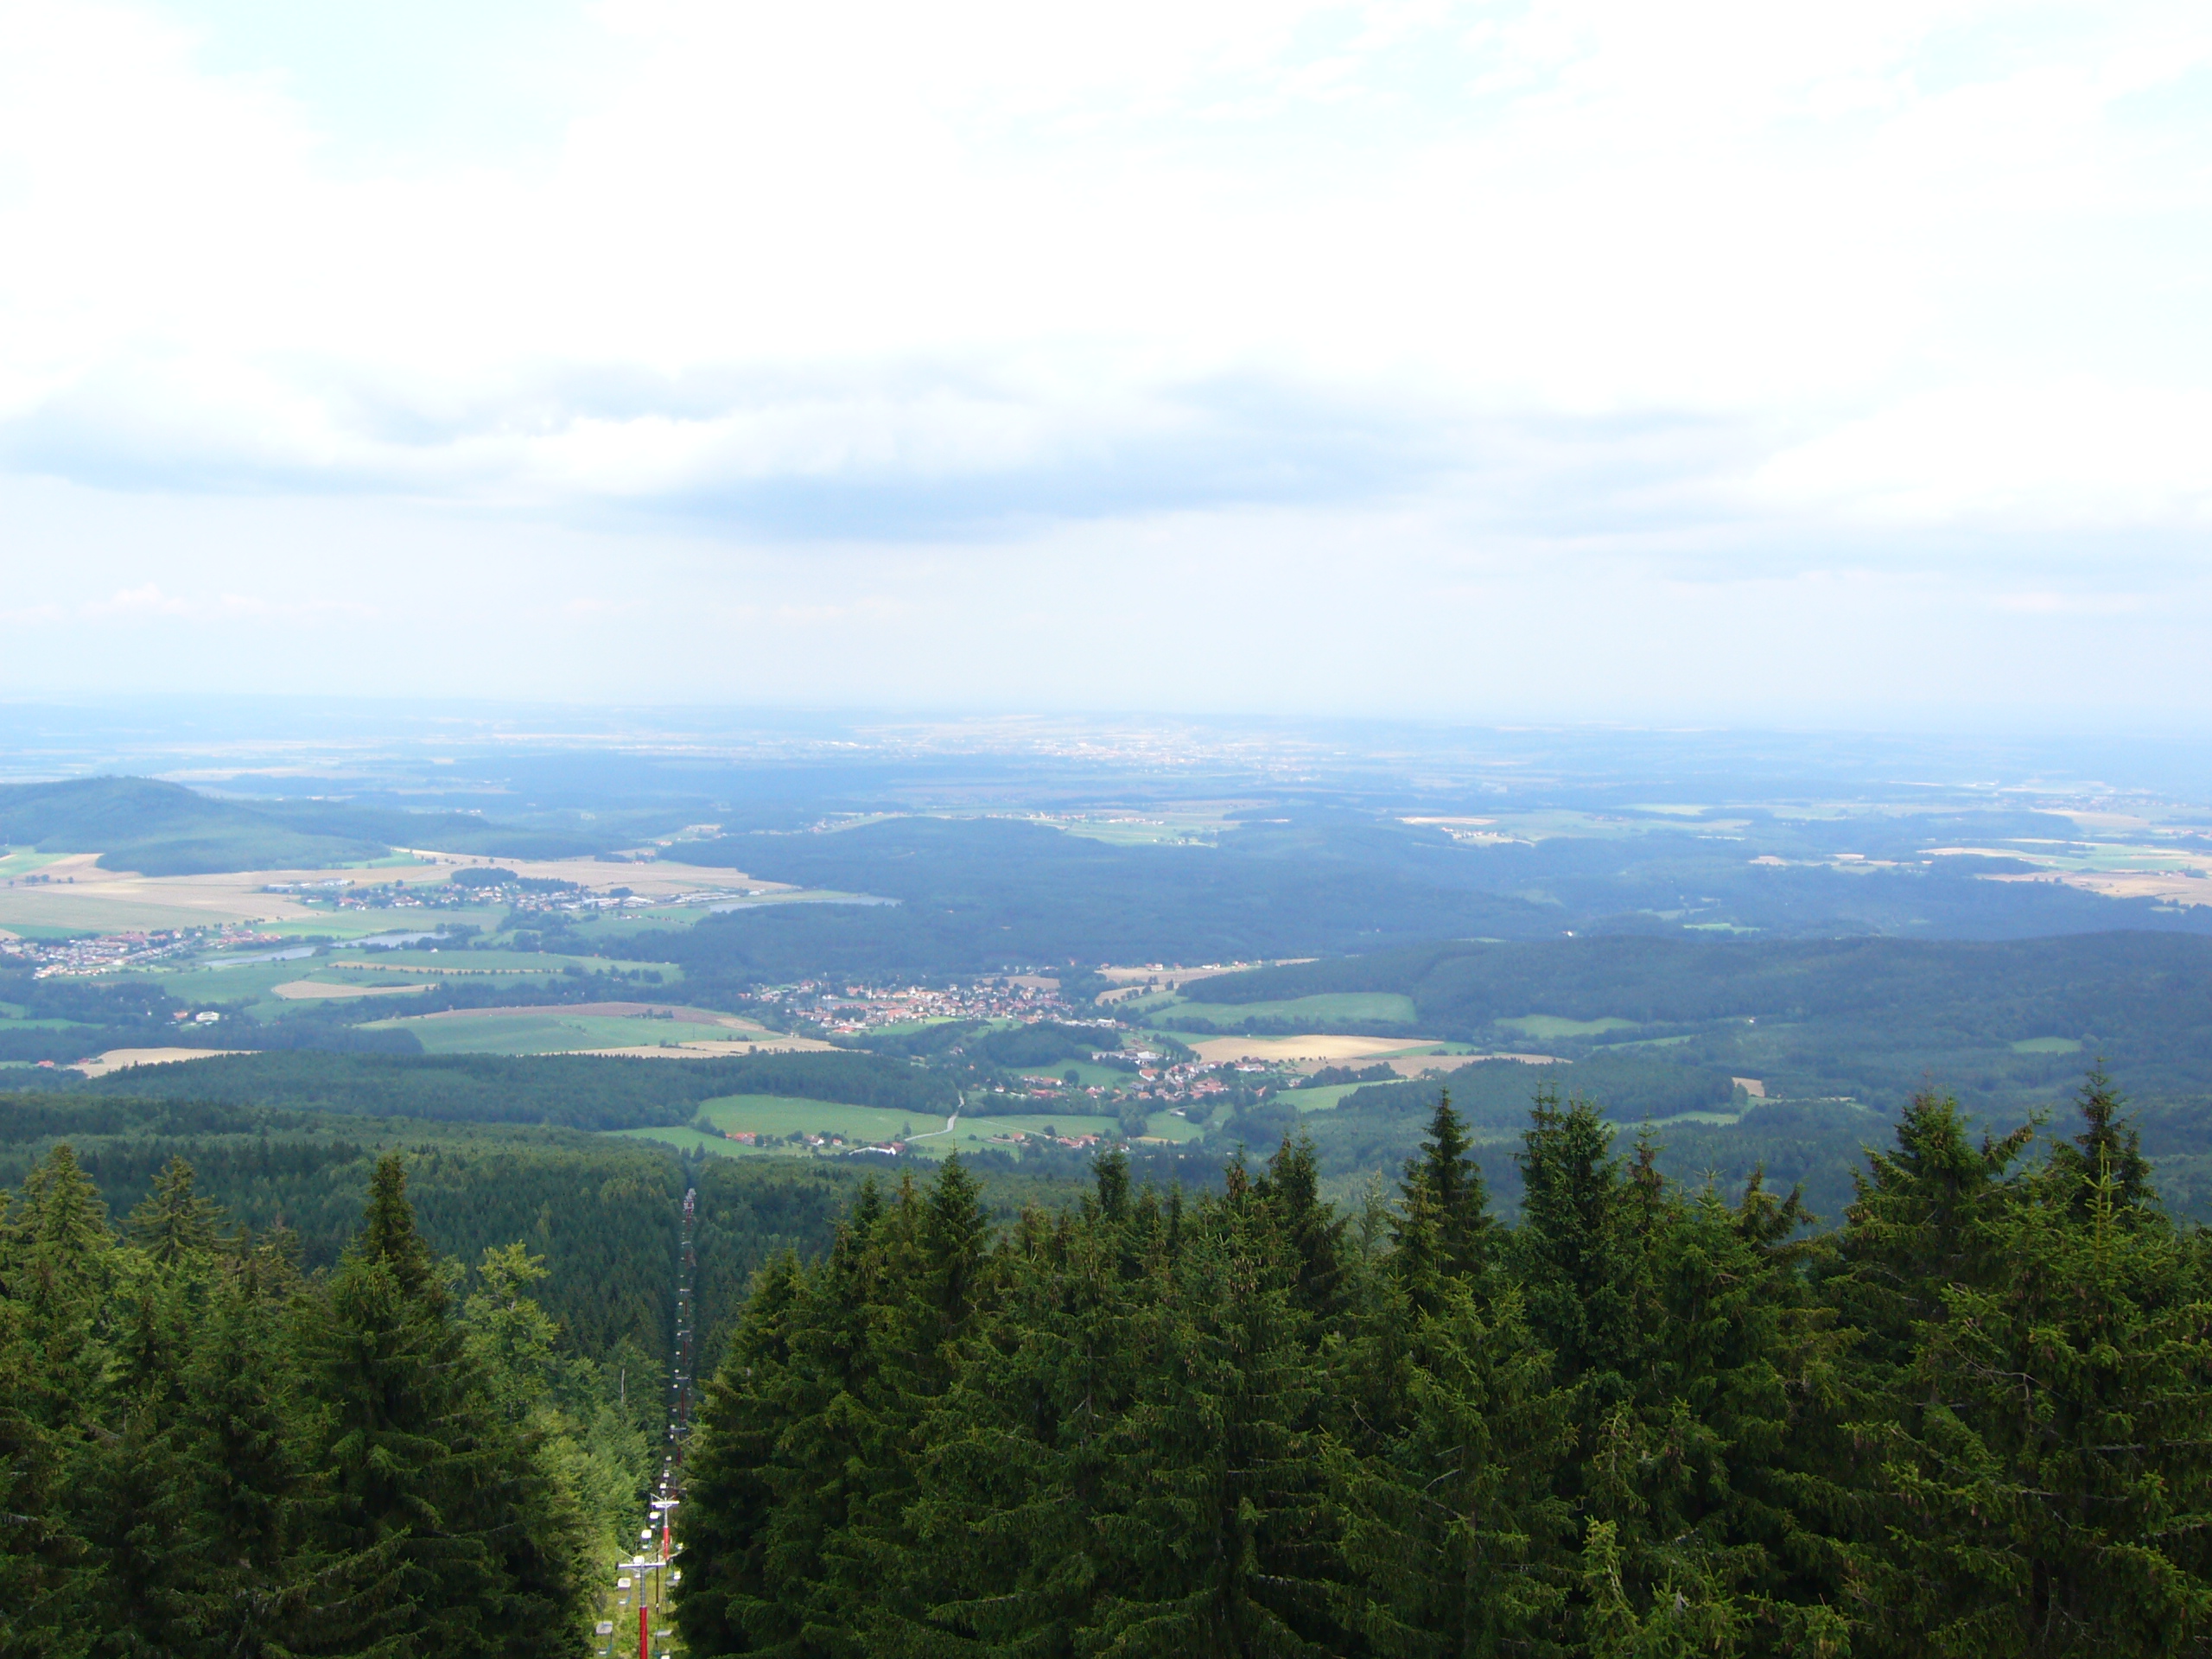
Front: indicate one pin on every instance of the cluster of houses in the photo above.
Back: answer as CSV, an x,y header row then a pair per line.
x,y
847,1010
109,952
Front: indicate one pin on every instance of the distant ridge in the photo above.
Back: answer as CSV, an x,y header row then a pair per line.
x,y
163,828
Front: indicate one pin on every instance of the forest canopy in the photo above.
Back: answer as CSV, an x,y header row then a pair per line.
x,y
1648,1418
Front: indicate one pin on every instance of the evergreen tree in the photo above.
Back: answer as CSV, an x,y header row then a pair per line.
x,y
1444,1226
173,1223
1289,1197
1218,1534
729,1598
1019,1476
1573,1250
464,1541
2045,1430
2103,1165
257,1588
1453,1533
57,1264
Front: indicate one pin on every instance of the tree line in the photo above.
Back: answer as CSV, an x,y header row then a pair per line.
x,y
205,1451
1646,1419
584,1091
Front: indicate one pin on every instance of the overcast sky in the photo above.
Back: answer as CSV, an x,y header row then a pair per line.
x,y
1759,362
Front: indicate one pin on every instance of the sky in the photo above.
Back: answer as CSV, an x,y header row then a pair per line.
x,y
1752,363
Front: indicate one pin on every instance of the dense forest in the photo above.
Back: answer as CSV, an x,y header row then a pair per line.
x,y
1646,1419
590,1091
600,1210
2118,986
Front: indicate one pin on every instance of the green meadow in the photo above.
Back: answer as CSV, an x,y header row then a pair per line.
x,y
365,924
25,861
1319,1100
1545,1026
1089,1074
783,1114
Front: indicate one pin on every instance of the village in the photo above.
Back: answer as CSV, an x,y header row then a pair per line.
x,y
107,953
852,1009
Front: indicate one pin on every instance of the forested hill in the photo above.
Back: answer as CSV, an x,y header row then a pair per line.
x,y
1290,880
163,828
1835,1016
1646,1421
2108,983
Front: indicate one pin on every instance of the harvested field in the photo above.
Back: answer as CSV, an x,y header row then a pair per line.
x,y
308,990
77,894
661,878
1140,975
634,1030
675,1012
1416,1066
1317,1048
711,1050
121,1059
2170,887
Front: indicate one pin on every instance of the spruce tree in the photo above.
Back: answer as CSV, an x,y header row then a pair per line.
x,y
258,1588
1575,1251
1289,1197
172,1223
464,1543
1453,1533
804,1366
57,1265
1218,1534
1020,1465
1444,1226
729,1598
2104,1164
2046,1437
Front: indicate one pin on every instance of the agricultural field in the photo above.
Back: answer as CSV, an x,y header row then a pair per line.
x,y
485,964
79,895
1190,825
591,1026
1323,1099
63,912
778,1115
314,990
14,1016
266,986
1348,1008
1550,1028
25,861
122,1059
1312,1048
350,924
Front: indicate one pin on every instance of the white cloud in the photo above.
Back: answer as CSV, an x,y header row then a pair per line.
x,y
2054,456
1727,296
